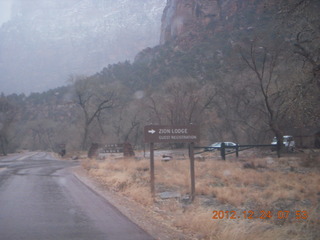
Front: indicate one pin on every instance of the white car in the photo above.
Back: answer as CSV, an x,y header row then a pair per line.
x,y
217,145
288,142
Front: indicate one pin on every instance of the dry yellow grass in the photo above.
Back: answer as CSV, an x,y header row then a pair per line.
x,y
222,185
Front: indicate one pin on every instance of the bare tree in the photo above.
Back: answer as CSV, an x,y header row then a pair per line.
x,y
301,23
154,111
93,101
309,55
43,133
263,64
127,122
235,115
183,101
7,116
306,89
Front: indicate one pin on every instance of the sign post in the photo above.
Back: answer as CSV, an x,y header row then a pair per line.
x,y
193,183
152,169
168,134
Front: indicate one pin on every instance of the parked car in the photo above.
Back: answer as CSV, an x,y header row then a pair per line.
x,y
288,143
217,145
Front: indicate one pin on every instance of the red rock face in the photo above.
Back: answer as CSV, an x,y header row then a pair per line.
x,y
180,15
185,17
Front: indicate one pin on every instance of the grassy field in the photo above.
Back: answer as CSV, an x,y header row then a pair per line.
x,y
255,196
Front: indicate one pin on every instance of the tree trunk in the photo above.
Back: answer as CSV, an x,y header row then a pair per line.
x,y
277,132
85,136
4,145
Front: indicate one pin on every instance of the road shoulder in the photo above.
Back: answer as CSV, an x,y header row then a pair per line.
x,y
145,218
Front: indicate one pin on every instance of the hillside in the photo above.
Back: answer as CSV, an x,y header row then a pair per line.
x,y
244,72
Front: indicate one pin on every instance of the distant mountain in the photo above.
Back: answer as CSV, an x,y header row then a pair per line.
x,y
46,41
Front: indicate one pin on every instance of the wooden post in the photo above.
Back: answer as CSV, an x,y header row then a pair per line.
x,y
191,155
223,150
237,150
152,169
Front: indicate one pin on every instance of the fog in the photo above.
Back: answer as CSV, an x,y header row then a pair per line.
x,y
43,43
5,11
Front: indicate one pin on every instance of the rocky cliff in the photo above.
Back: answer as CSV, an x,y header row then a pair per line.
x,y
187,18
180,15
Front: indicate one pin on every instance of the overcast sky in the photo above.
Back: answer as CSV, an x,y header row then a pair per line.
x,y
80,37
5,6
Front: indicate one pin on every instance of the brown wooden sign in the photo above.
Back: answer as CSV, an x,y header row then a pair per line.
x,y
125,148
120,150
112,148
167,133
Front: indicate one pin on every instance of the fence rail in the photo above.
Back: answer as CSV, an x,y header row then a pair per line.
x,y
238,148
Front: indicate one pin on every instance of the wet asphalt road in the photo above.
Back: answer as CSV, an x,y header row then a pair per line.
x,y
40,199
